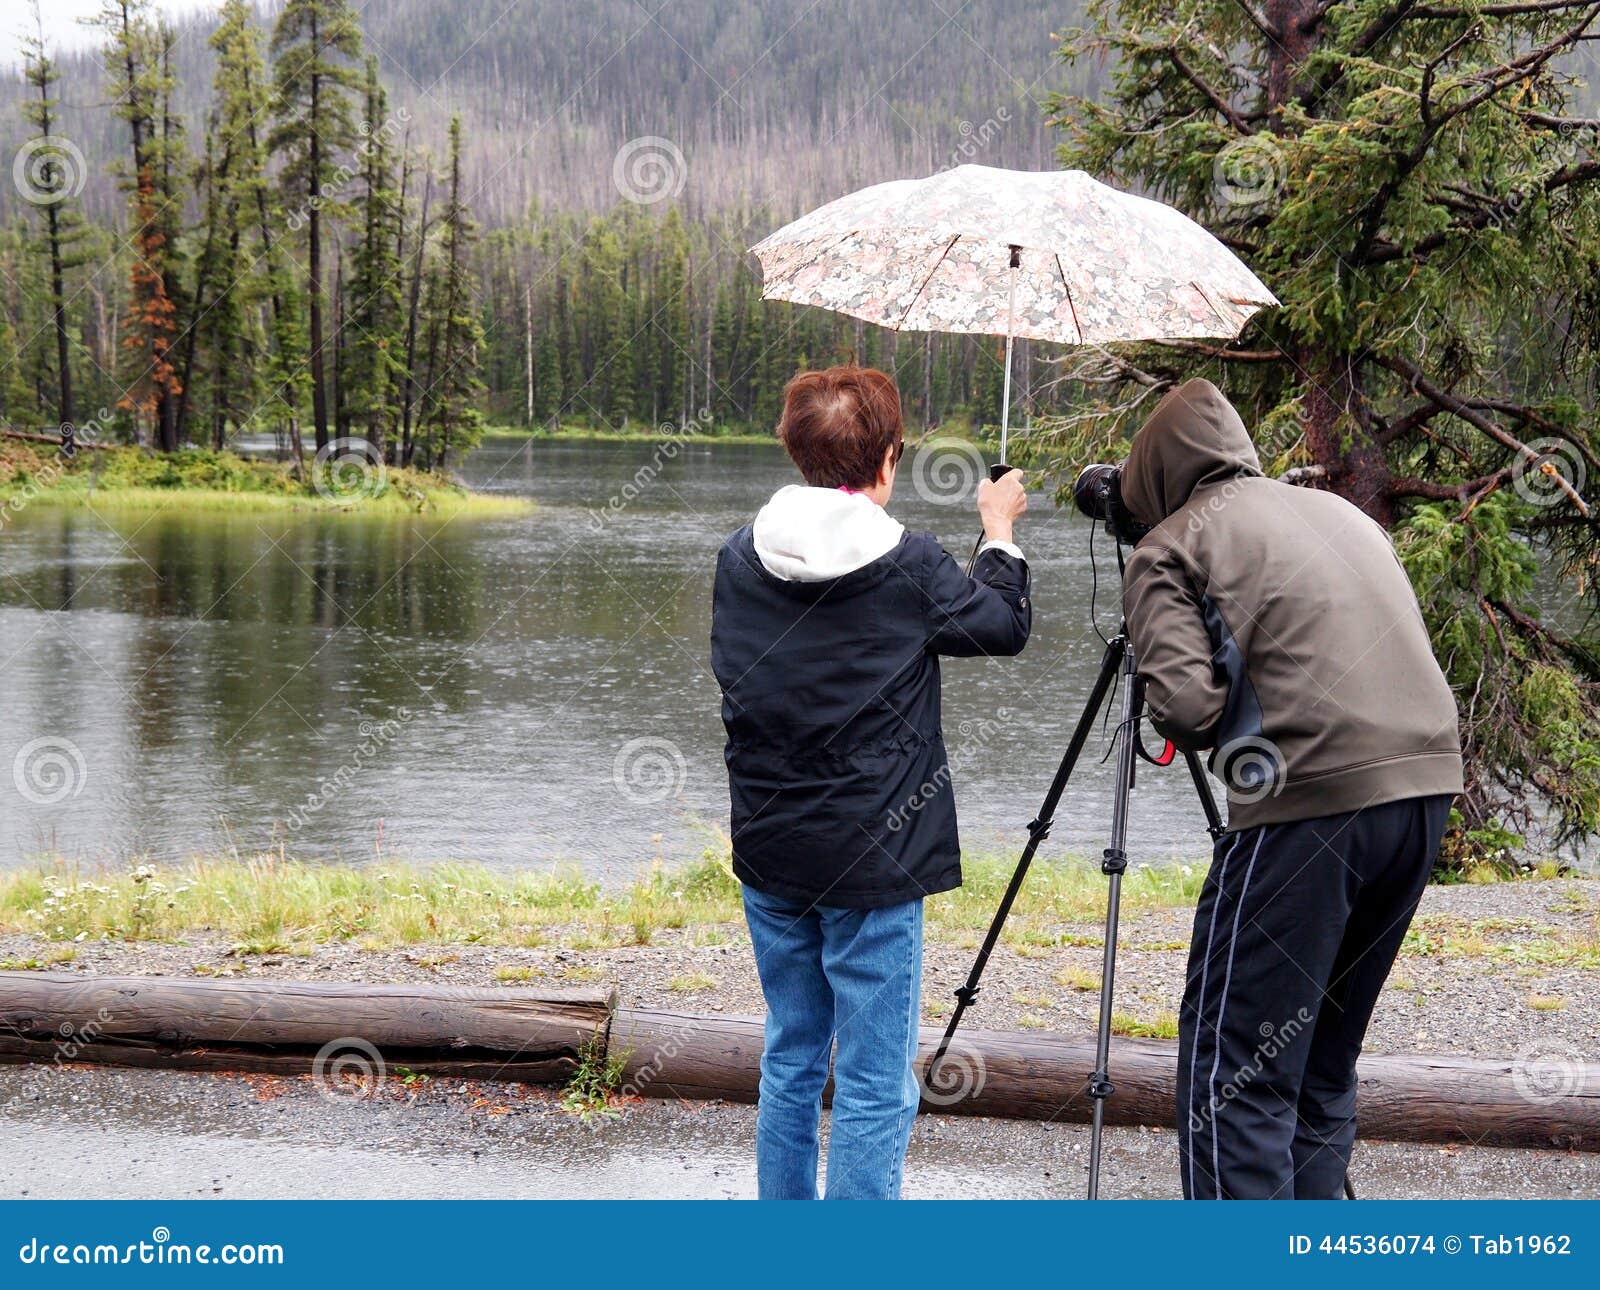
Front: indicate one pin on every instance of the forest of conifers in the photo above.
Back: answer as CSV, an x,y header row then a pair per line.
x,y
304,221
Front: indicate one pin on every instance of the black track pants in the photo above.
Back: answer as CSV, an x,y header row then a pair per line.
x,y
1297,927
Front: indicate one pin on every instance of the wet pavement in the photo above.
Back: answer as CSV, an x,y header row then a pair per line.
x,y
80,1132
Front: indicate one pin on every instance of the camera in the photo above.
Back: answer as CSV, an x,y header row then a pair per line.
x,y
1098,494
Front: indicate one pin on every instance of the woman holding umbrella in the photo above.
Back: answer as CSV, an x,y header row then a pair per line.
x,y
827,627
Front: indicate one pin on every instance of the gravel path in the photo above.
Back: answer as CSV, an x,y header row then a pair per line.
x,y
154,1134
1490,970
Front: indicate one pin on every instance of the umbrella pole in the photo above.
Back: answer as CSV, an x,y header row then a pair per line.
x,y
1000,467
1011,311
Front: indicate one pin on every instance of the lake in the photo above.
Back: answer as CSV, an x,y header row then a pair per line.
x,y
518,691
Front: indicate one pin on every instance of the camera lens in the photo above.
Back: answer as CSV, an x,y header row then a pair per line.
x,y
1098,494
1092,493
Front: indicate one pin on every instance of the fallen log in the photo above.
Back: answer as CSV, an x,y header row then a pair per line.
x,y
1407,1098
535,1035
54,440
296,1026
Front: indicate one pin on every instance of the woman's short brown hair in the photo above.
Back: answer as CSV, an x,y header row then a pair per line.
x,y
839,423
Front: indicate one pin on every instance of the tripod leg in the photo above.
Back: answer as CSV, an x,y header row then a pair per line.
x,y
1113,865
1038,830
1208,799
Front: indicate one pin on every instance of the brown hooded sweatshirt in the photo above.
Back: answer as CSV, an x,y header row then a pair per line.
x,y
1276,625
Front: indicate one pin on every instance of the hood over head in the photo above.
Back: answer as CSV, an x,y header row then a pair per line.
x,y
814,534
1193,437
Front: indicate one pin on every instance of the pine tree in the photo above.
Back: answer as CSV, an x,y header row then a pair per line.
x,y
671,331
137,56
373,322
230,285
315,44
454,389
63,227
150,327
1411,182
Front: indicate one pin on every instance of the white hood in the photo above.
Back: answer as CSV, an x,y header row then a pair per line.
x,y
813,534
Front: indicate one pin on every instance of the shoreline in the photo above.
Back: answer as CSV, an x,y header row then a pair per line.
x,y
654,434
1487,969
201,480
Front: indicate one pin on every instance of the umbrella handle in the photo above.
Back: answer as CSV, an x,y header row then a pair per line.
x,y
996,471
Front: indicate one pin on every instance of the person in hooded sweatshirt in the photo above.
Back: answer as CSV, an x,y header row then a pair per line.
x,y
1275,626
828,621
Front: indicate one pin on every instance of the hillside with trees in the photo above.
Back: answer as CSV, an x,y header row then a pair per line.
x,y
316,224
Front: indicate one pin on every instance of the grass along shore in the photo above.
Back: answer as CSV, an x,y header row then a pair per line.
x,y
274,904
269,903
1489,965
203,480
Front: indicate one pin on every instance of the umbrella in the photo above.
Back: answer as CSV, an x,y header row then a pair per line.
x,y
1050,255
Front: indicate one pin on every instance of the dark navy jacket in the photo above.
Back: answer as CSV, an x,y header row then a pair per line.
x,y
830,695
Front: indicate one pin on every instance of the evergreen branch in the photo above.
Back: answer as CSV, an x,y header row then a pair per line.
x,y
1497,79
1374,32
1544,635
1225,354
1211,94
1515,9
1384,252
1464,409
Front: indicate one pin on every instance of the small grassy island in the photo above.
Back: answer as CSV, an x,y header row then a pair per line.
x,y
203,479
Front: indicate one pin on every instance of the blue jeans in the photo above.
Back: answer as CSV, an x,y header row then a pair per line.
x,y
855,976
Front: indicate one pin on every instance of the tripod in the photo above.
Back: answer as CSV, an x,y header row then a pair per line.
x,y
1118,662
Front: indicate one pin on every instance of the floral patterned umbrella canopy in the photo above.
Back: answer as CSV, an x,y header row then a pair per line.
x,y
1095,266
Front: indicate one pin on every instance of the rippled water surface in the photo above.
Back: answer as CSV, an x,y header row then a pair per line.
x,y
472,688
